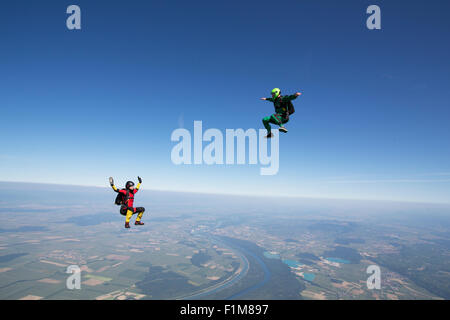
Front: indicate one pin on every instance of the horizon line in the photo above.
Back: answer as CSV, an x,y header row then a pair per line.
x,y
243,195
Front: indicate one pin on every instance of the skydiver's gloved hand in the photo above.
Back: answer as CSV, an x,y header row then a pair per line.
x,y
298,93
111,181
139,179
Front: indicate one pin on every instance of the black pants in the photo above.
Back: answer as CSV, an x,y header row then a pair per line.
x,y
124,209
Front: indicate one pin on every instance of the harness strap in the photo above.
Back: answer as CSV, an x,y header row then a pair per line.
x,y
127,197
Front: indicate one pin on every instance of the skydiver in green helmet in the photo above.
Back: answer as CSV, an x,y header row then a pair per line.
x,y
283,109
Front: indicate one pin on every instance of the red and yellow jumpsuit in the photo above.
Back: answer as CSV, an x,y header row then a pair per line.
x,y
127,209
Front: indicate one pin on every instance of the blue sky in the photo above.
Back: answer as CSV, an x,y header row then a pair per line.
x,y
372,123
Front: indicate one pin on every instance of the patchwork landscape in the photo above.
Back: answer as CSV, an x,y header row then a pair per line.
x,y
207,247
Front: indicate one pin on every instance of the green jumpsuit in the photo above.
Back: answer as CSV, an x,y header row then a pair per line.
x,y
281,115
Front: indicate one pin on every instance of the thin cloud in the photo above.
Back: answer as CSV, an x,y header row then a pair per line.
x,y
392,181
435,174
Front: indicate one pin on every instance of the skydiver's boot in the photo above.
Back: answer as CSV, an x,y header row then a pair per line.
x,y
127,225
283,129
269,135
139,223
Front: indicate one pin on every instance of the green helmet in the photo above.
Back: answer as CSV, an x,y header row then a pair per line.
x,y
276,93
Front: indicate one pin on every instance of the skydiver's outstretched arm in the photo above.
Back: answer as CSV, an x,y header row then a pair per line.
x,y
292,97
111,182
267,99
139,184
